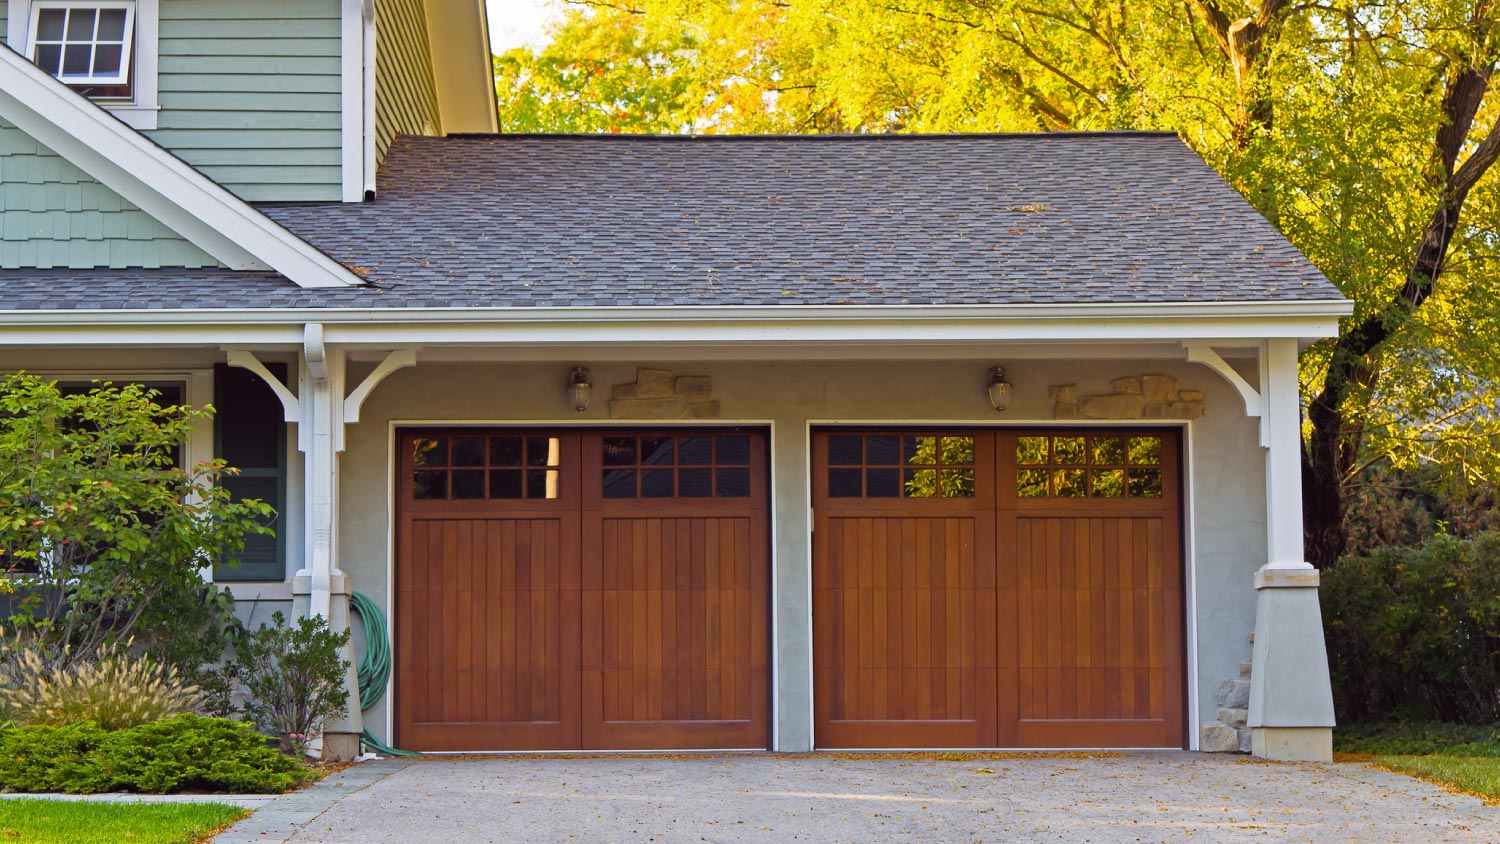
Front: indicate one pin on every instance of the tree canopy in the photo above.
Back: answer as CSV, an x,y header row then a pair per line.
x,y
1366,130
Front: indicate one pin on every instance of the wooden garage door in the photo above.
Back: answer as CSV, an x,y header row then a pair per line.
x,y
582,590
997,588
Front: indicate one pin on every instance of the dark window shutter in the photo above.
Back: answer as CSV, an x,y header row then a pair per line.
x,y
250,435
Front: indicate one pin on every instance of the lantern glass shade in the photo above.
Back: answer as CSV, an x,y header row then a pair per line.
x,y
999,389
579,389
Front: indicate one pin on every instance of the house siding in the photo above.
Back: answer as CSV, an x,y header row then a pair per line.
x,y
249,94
4,20
405,93
54,215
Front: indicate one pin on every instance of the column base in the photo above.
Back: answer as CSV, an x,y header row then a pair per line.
x,y
1292,744
340,747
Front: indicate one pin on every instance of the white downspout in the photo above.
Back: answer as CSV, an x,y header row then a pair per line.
x,y
370,47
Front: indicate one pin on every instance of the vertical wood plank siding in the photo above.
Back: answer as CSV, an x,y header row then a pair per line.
x,y
250,94
405,94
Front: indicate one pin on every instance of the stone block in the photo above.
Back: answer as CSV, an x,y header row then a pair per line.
x,y
1159,387
1064,393
622,391
653,383
1234,716
1065,410
1186,409
1246,740
693,387
1156,410
1245,669
1234,694
703,410
1118,405
1190,395
643,408
1217,738
1127,386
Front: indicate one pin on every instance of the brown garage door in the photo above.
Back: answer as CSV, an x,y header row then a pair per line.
x,y
997,588
584,589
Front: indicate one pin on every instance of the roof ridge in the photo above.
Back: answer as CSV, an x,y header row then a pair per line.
x,y
888,136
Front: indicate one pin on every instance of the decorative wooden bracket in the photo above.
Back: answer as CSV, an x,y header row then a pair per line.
x,y
1198,352
291,409
399,359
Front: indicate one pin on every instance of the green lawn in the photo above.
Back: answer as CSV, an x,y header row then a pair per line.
x,y
1463,758
76,822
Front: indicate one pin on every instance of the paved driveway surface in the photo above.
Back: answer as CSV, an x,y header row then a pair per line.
x,y
1155,797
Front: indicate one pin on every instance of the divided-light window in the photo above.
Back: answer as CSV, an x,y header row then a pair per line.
x,y
85,44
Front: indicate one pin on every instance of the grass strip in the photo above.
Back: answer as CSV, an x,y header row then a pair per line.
x,y
37,821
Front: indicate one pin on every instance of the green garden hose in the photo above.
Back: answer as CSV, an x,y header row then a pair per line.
x,y
374,669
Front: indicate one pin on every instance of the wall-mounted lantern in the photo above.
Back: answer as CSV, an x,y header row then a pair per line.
x,y
580,391
999,389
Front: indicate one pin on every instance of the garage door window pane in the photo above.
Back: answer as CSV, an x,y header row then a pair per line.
x,y
1032,483
505,451
1068,483
505,483
543,451
619,451
468,451
733,483
657,451
656,483
695,451
542,483
619,483
1108,483
1145,451
1031,451
429,485
1109,451
846,451
1145,483
694,483
882,483
430,452
1068,450
958,483
958,451
882,451
919,451
732,451
922,483
468,484
845,483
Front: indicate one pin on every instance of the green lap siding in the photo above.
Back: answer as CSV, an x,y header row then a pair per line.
x,y
54,215
406,96
250,94
4,19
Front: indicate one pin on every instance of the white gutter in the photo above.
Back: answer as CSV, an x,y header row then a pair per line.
x,y
825,314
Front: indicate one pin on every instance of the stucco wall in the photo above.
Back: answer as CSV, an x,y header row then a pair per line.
x,y
1226,539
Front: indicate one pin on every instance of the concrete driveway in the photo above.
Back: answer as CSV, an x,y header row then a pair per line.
x,y
1146,797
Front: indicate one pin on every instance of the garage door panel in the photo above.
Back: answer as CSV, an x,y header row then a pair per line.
x,y
539,612
1041,607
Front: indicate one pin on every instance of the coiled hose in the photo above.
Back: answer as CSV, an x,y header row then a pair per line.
x,y
374,669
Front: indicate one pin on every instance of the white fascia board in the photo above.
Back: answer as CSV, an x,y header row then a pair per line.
x,y
157,182
687,326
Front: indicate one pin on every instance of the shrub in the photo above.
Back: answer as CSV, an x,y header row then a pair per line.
x,y
97,520
1414,633
293,677
186,752
112,689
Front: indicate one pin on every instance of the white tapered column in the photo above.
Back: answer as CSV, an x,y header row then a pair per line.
x,y
1291,698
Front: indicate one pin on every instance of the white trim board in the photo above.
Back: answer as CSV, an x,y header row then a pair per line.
x,y
157,182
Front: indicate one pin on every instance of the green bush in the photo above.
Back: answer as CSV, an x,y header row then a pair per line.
x,y
1414,633
182,753
293,676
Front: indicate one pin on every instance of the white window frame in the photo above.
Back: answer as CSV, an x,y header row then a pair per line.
x,y
138,112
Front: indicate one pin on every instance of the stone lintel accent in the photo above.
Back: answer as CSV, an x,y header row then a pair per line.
x,y
1134,397
1287,579
662,394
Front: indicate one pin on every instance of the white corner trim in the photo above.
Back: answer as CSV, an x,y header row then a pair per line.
x,y
352,102
291,409
1254,404
399,359
156,181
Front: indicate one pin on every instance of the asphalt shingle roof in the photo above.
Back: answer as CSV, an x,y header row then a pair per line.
x,y
518,220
